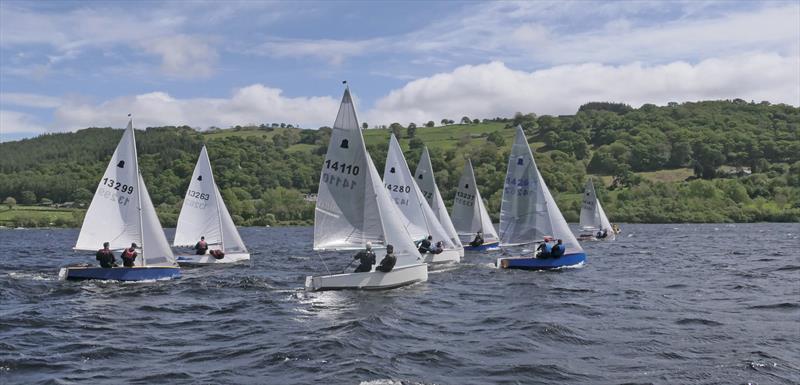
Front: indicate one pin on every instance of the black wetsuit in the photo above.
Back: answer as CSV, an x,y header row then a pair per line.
x,y
387,264
477,241
424,246
367,259
106,258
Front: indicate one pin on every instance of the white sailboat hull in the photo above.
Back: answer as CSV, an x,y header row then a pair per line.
x,y
374,280
207,259
446,256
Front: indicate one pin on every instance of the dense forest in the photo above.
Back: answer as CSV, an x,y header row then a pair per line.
x,y
711,161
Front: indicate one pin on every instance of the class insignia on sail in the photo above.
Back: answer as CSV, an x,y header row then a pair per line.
x,y
205,215
529,215
122,215
353,209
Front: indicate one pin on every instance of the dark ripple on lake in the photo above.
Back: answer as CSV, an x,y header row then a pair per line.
x,y
723,310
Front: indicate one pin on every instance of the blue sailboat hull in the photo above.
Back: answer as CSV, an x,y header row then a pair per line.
x,y
530,263
483,247
120,273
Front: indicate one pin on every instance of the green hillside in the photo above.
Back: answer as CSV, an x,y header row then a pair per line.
x,y
713,161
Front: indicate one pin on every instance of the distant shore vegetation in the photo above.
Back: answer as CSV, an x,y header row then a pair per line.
x,y
710,161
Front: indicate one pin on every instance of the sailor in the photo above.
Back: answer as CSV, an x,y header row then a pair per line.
x,y
545,248
201,247
387,264
129,256
425,245
558,250
217,254
438,248
478,240
366,258
105,256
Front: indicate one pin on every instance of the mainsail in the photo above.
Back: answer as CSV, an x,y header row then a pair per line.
x,y
353,207
204,212
427,184
590,215
523,211
529,211
121,211
593,217
469,212
420,220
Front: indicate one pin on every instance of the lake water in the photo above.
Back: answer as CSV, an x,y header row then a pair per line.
x,y
664,304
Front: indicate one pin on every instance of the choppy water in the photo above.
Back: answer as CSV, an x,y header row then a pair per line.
x,y
723,310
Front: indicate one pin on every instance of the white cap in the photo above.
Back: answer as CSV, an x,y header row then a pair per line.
x,y
369,245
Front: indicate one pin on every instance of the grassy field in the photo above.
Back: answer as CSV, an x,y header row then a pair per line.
x,y
38,216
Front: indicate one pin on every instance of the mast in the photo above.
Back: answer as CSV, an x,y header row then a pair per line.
x,y
218,196
138,186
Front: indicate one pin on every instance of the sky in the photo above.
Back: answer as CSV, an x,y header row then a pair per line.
x,y
67,65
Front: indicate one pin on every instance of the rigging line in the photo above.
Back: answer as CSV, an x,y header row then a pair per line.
x,y
324,264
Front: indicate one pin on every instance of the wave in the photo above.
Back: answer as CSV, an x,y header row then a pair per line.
x,y
697,321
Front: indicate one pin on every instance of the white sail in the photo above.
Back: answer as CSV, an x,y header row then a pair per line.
x,y
200,214
389,218
154,244
427,184
590,215
604,223
232,241
113,215
121,211
523,211
204,212
344,217
419,218
469,212
530,210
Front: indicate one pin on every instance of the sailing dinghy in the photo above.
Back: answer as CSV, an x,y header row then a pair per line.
x,y
122,213
418,217
204,214
530,213
354,208
426,182
470,215
594,222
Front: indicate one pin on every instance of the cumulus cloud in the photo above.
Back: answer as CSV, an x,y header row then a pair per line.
x,y
493,89
71,34
15,122
254,104
183,56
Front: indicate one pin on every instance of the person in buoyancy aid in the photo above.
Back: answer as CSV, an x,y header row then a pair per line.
x,y
106,257
545,248
201,247
366,258
425,245
387,264
129,256
558,250
438,248
478,240
603,234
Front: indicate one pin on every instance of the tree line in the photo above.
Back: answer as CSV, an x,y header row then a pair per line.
x,y
743,157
